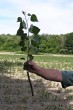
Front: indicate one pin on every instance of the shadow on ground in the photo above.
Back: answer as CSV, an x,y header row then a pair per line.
x,y
15,94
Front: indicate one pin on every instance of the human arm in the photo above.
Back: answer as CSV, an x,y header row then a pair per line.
x,y
48,74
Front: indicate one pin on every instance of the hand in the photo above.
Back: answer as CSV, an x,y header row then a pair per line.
x,y
30,66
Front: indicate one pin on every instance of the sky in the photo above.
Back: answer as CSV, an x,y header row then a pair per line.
x,y
55,16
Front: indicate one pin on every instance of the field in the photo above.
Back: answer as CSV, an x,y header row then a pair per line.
x,y
15,93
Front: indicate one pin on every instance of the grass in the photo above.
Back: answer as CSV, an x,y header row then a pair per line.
x,y
14,87
57,62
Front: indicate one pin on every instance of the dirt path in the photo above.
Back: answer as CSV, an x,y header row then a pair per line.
x,y
12,53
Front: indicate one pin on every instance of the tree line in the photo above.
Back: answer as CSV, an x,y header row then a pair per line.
x,y
62,43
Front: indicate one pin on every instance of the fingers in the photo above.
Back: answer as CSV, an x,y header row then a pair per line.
x,y
30,66
27,65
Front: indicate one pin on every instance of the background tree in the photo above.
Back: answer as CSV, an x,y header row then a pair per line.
x,y
45,43
69,42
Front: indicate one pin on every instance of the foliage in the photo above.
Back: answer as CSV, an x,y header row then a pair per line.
x,y
9,43
69,43
27,42
45,43
50,44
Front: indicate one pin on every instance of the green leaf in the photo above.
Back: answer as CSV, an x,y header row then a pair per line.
x,y
23,48
34,43
24,37
22,58
29,14
34,29
21,25
21,43
20,32
33,49
37,39
30,57
23,12
19,19
34,18
31,28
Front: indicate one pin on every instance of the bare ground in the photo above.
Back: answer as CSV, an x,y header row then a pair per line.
x,y
15,93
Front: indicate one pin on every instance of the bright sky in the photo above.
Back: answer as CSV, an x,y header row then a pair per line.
x,y
55,16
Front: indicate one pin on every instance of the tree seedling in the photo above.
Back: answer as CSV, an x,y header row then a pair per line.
x,y
28,44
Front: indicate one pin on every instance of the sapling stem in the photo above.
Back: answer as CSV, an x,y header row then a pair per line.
x,y
27,71
28,45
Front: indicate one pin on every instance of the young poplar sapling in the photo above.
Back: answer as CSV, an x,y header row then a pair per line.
x,y
28,43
